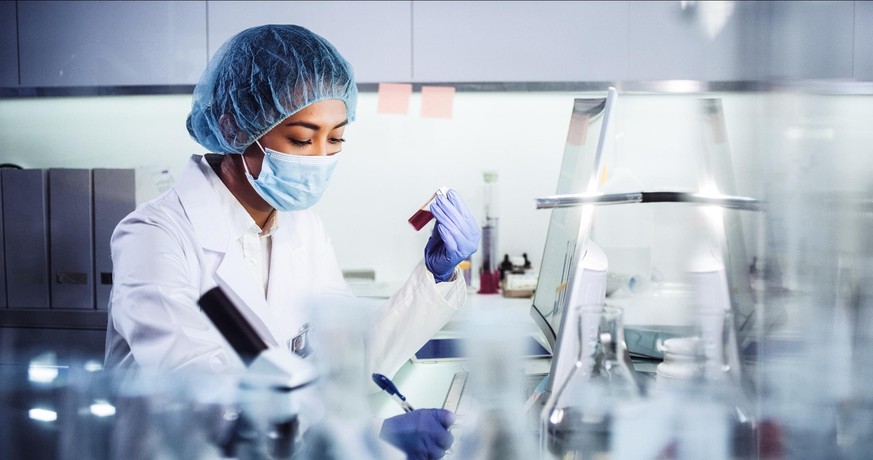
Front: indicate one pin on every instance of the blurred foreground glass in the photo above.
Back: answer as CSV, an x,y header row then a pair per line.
x,y
494,426
577,418
814,370
76,412
340,412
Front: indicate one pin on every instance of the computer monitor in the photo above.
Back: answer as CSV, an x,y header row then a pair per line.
x,y
570,257
580,171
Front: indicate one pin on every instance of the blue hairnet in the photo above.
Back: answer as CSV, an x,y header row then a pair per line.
x,y
259,78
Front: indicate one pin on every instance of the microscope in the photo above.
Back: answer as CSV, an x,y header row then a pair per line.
x,y
267,424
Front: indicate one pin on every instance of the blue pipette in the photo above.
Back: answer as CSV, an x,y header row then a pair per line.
x,y
388,386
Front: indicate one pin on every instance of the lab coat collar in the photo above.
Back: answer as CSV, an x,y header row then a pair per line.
x,y
203,207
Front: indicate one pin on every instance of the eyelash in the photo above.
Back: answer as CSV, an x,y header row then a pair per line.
x,y
333,140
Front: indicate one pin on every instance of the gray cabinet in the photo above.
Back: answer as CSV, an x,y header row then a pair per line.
x,y
375,37
95,43
864,41
519,41
8,45
734,41
810,40
692,41
137,43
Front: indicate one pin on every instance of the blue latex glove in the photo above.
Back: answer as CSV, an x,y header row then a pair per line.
x,y
455,236
421,434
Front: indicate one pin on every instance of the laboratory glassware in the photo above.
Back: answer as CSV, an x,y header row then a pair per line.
x,y
577,417
340,418
492,425
710,415
489,276
423,215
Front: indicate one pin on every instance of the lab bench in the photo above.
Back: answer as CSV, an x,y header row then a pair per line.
x,y
427,383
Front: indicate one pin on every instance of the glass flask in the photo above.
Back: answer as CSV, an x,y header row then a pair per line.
x,y
577,418
492,426
701,395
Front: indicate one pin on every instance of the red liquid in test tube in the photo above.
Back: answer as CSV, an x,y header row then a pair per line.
x,y
423,215
420,219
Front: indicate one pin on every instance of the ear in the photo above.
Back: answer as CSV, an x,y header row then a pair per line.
x,y
230,131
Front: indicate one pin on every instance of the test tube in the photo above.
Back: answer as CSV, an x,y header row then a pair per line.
x,y
423,215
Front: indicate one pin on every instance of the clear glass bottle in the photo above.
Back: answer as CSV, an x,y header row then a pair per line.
x,y
489,276
578,415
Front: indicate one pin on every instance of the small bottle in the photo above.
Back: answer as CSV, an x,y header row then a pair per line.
x,y
527,265
505,267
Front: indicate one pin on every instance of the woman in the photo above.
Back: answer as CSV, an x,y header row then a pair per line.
x,y
272,104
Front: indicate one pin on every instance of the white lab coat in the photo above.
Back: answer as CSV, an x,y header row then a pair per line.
x,y
171,250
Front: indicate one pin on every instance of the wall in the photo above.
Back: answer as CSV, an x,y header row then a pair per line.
x,y
392,163
397,160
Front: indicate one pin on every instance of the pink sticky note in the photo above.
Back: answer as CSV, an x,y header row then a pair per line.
x,y
394,97
436,101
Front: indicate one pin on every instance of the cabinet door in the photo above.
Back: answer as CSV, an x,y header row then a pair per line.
x,y
692,41
95,43
864,41
519,41
723,41
810,40
8,45
375,37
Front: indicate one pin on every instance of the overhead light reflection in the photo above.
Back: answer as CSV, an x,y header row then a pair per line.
x,y
714,15
42,415
102,409
42,374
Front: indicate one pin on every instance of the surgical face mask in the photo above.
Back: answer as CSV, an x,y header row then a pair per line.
x,y
292,182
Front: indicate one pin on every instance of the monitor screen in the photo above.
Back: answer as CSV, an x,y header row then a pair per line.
x,y
569,227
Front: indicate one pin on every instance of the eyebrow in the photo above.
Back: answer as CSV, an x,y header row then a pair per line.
x,y
313,126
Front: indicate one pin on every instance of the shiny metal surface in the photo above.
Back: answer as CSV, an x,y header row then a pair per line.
x,y
829,87
730,202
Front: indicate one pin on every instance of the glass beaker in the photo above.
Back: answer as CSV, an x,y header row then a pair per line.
x,y
578,416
